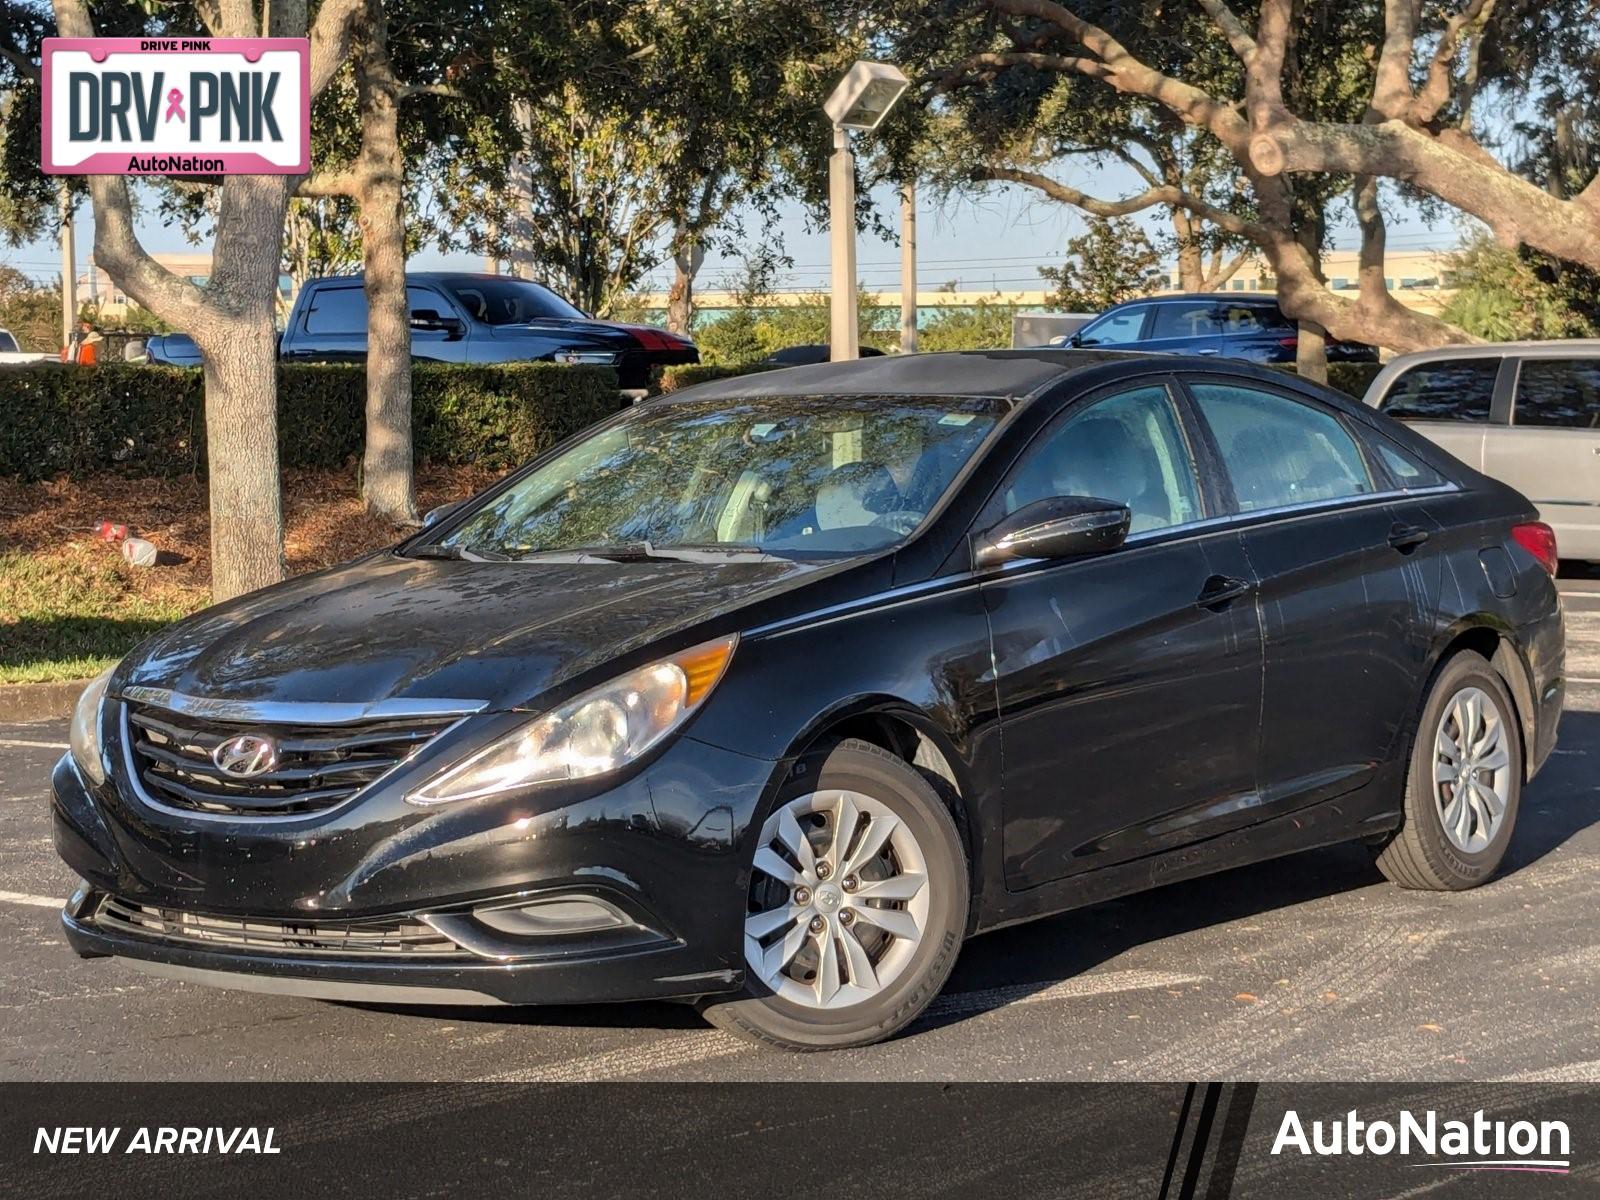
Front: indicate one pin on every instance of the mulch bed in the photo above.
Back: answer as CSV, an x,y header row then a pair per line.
x,y
324,519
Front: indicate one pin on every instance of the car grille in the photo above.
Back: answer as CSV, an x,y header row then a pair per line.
x,y
385,937
318,766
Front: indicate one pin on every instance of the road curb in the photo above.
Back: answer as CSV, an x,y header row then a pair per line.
x,y
24,702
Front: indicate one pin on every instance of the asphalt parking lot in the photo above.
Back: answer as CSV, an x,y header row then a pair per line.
x,y
1307,968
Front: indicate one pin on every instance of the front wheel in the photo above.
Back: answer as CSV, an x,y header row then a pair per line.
x,y
857,905
1463,785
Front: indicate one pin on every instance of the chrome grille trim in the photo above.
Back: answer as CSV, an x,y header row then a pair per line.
x,y
388,937
296,712
169,765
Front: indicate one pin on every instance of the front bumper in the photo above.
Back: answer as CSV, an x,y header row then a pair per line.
x,y
640,965
662,846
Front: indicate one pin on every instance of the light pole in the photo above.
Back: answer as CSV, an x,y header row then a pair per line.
x,y
863,98
908,268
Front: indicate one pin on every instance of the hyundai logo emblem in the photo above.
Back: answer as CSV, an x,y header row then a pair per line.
x,y
246,756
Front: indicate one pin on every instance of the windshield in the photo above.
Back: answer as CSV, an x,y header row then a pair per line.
x,y
8,344
786,476
505,301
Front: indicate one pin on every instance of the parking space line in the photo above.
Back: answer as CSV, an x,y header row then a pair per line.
x,y
27,745
690,1049
25,898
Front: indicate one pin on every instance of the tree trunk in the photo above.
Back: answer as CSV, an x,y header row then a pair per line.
x,y
1191,262
1311,352
680,300
241,363
386,464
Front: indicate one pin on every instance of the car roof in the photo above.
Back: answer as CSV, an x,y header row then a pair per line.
x,y
434,277
1006,373
1496,349
1265,298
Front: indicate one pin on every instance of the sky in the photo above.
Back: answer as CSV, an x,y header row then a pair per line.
x,y
993,241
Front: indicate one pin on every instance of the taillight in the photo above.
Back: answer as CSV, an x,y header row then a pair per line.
x,y
1539,540
657,339
1289,343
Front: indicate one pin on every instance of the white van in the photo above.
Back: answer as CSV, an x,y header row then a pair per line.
x,y
1525,413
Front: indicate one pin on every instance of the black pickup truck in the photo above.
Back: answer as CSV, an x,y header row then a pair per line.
x,y
466,318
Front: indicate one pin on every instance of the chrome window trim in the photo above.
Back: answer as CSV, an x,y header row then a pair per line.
x,y
298,712
910,592
130,771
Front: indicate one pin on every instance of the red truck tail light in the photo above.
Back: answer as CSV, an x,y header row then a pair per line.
x,y
1539,540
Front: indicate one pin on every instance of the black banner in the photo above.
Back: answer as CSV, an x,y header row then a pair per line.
x,y
1106,1141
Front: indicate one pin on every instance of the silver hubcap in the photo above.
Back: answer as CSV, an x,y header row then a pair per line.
x,y
839,900
1472,770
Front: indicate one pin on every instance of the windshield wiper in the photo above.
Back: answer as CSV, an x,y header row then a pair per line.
x,y
643,550
457,554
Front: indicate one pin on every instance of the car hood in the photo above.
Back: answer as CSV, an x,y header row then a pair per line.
x,y
386,627
579,331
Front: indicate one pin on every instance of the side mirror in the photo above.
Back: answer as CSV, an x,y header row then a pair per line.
x,y
1059,527
434,515
428,320
1075,340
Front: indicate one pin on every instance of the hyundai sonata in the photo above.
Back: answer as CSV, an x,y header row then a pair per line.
x,y
767,694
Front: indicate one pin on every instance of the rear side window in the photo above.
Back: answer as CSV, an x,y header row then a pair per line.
x,y
338,310
1114,329
1444,391
8,344
1559,392
1279,452
1186,321
1242,319
1408,472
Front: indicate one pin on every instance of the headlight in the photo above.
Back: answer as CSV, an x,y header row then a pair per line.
x,y
600,731
85,736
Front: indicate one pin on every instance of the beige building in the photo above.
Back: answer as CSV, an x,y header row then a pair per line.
x,y
96,287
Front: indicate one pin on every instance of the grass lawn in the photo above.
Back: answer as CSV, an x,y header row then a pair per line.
x,y
70,606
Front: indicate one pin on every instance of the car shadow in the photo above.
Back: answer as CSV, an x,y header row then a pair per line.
x,y
998,969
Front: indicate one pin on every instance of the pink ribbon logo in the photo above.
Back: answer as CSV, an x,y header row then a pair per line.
x,y
175,105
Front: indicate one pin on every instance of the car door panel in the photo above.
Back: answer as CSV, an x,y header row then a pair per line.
x,y
1343,575
1097,660
1336,600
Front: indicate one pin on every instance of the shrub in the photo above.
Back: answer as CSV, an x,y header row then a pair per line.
x,y
145,421
674,379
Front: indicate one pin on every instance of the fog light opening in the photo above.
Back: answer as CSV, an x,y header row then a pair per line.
x,y
547,918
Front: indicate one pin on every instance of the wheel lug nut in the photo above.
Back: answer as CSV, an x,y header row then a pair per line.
x,y
818,924
847,917
848,883
802,895
823,870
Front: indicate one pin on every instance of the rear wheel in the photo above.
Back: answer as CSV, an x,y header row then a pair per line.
x,y
857,905
1464,783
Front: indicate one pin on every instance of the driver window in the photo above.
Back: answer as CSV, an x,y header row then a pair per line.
x,y
1128,448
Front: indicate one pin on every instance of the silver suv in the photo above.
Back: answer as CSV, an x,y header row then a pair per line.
x,y
1525,413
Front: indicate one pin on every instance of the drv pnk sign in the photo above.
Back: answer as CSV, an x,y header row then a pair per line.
x,y
176,106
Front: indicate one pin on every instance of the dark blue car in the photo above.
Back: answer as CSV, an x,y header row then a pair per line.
x,y
1220,323
465,318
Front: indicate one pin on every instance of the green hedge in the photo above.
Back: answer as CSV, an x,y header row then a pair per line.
x,y
146,421
688,374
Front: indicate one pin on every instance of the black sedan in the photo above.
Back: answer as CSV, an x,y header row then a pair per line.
x,y
768,694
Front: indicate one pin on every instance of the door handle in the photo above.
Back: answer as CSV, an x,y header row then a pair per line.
x,y
1406,538
1208,352
1219,591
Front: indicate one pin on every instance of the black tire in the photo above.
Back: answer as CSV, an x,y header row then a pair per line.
x,y
760,1015
1421,855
